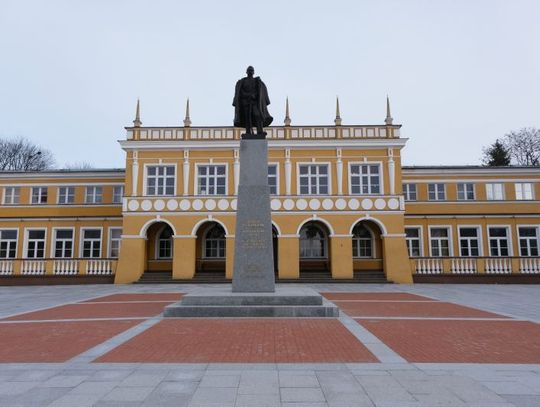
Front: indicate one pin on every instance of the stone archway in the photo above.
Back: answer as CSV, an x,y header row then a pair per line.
x,y
314,240
367,247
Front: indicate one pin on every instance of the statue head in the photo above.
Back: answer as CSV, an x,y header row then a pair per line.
x,y
250,71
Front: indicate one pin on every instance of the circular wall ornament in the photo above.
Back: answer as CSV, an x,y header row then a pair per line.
x,y
210,204
275,204
197,204
380,203
159,205
393,203
354,204
301,204
327,204
146,205
314,204
288,204
367,204
185,204
172,204
234,204
223,204
133,205
341,204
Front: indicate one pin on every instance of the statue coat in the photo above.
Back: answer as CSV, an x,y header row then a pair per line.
x,y
263,102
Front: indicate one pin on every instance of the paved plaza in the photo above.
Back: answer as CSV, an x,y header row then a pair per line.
x,y
393,345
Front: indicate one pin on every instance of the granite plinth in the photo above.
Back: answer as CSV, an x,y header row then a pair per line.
x,y
286,302
253,270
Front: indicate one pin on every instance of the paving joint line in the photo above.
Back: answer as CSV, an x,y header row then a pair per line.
x,y
438,318
74,320
112,343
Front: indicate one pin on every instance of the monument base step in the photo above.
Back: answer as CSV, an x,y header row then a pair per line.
x,y
284,303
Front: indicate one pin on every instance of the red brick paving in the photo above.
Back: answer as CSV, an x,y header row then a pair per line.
x,y
412,309
138,297
460,341
43,342
375,296
242,341
94,310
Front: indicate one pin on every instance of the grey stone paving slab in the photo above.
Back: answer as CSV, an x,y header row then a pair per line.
x,y
130,393
301,394
296,379
79,400
39,396
62,380
138,378
523,400
258,400
259,382
220,381
15,388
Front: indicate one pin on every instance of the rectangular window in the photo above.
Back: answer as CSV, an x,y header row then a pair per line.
x,y
66,195
365,179
118,193
8,244
528,241
12,195
409,191
115,236
273,178
524,191
35,244
440,242
39,195
314,179
413,241
160,180
495,192
63,243
211,180
91,243
469,242
499,244
436,192
465,192
94,195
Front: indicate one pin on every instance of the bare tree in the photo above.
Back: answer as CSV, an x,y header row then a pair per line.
x,y
524,146
22,155
79,165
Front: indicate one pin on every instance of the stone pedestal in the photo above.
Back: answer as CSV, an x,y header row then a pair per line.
x,y
253,270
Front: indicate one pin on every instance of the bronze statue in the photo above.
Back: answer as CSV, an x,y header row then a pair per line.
x,y
250,101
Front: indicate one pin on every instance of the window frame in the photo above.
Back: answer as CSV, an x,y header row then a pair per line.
x,y
367,163
196,178
205,239
325,246
16,240
492,184
508,237
145,178
420,238
53,242
68,187
465,192
537,227
18,195
275,164
437,191
356,242
94,195
478,237
522,191
114,187
319,163
40,188
406,191
450,240
81,241
27,231
110,241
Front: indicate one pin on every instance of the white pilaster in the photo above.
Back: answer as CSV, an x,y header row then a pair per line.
x,y
339,172
135,175
236,169
288,173
391,171
185,172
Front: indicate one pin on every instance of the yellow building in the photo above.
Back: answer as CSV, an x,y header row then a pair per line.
x,y
343,207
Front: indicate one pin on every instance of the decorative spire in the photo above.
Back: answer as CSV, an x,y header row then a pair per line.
x,y
337,120
187,120
287,120
389,118
137,122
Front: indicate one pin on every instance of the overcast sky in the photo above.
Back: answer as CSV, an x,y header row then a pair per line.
x,y
459,73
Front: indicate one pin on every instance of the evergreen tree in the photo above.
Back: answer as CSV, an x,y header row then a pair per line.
x,y
496,155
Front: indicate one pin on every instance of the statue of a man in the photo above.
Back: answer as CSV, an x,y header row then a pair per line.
x,y
250,101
